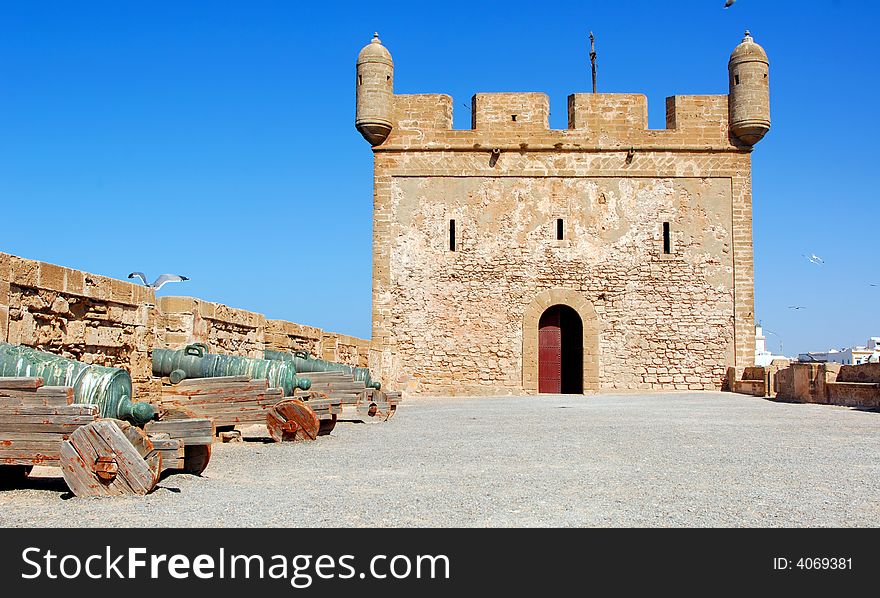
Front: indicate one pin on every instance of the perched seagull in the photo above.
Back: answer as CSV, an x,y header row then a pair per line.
x,y
729,3
814,258
159,282
796,307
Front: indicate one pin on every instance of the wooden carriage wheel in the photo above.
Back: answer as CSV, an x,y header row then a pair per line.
x,y
109,457
292,420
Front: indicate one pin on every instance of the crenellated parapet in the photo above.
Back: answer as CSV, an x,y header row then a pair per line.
x,y
510,112
615,113
481,232
596,121
418,113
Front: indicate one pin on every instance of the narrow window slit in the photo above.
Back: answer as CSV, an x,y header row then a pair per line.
x,y
559,230
667,241
452,235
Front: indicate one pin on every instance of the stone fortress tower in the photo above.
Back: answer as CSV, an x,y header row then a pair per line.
x,y
510,258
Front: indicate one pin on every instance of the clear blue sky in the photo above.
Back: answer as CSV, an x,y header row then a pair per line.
x,y
216,139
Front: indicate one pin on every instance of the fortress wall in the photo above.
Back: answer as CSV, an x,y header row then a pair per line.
x,y
224,329
423,112
510,111
110,322
347,349
830,384
282,335
78,315
595,121
341,348
615,113
363,353
239,332
454,322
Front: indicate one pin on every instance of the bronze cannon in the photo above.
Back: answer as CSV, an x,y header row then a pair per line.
x,y
108,388
305,363
194,361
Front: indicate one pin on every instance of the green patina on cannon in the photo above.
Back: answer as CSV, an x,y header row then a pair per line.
x,y
305,363
194,361
108,388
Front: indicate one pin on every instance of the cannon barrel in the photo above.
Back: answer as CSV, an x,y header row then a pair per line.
x,y
108,388
305,363
190,362
194,361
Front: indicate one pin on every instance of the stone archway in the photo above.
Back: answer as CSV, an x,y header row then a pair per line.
x,y
531,317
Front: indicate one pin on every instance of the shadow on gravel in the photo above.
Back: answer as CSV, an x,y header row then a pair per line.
x,y
56,485
42,483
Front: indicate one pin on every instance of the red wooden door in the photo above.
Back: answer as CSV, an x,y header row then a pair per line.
x,y
550,353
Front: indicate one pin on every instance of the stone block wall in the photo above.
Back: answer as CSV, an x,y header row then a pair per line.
x,y
866,372
110,322
234,331
520,111
619,115
347,349
460,322
224,329
78,315
288,336
364,349
423,112
830,384
806,382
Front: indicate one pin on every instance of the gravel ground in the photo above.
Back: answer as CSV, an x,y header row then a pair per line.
x,y
690,459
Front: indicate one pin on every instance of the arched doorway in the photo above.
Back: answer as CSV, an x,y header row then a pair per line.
x,y
560,351
543,301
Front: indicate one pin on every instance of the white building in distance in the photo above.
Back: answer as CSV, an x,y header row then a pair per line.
x,y
849,356
763,357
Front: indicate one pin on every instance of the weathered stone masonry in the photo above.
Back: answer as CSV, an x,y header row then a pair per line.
x,y
465,321
79,315
111,322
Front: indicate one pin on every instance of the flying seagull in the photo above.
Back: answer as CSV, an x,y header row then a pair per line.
x,y
796,307
159,282
814,258
729,3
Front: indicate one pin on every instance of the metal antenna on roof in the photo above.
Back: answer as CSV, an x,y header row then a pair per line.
x,y
593,58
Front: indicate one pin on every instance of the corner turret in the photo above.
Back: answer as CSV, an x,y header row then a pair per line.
x,y
375,92
749,91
